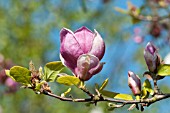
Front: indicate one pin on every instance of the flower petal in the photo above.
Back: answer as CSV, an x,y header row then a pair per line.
x,y
150,48
151,57
134,83
70,49
85,38
87,66
98,47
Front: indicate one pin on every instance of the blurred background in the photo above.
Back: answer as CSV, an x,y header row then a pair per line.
x,y
29,30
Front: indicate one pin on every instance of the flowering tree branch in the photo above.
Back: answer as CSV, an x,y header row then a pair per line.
x,y
149,17
81,52
144,102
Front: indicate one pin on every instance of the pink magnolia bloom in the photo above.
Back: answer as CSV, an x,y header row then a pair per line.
x,y
81,51
134,83
151,57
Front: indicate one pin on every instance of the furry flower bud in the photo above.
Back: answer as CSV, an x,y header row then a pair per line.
x,y
134,83
151,57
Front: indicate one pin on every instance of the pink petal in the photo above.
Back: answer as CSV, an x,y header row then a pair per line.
x,y
87,66
70,49
98,47
85,38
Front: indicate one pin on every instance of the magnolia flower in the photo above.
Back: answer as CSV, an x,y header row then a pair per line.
x,y
151,57
134,83
81,51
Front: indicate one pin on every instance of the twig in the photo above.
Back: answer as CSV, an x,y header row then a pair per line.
x,y
147,101
84,89
66,99
149,18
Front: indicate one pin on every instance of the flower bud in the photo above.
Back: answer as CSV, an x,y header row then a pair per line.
x,y
87,66
134,83
151,57
81,51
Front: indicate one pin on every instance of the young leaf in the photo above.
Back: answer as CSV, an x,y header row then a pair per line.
x,y
65,93
38,85
68,80
7,72
116,95
147,86
52,69
20,74
144,94
164,70
104,84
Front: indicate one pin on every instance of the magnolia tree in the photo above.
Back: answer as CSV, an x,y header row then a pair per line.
x,y
81,52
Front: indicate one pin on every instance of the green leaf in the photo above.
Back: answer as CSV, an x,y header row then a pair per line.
x,y
68,80
147,86
144,94
38,85
164,70
116,95
8,74
66,92
20,74
51,70
104,84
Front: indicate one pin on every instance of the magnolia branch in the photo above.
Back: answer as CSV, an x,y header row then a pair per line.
x,y
145,102
149,18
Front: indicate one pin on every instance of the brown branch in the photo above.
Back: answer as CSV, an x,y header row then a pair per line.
x,y
84,89
147,101
66,99
149,18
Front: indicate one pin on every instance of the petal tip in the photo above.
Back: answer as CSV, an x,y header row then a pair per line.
x,y
64,32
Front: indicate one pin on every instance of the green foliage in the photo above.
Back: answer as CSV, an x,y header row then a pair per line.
x,y
68,80
147,89
147,86
51,70
116,95
112,94
66,92
104,84
7,72
20,74
144,94
164,70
